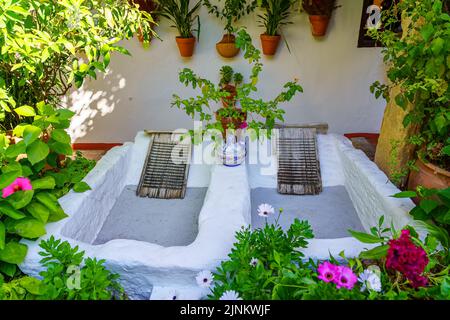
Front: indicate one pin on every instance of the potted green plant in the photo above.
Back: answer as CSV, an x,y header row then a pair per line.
x,y
149,6
320,12
276,13
231,11
418,64
183,18
240,91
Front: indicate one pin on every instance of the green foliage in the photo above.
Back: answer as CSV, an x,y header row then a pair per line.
x,y
231,11
279,259
434,211
179,13
418,63
201,106
276,14
69,276
24,288
42,44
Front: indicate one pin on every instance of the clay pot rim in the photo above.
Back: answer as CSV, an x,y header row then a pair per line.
x,y
319,17
184,38
269,37
434,168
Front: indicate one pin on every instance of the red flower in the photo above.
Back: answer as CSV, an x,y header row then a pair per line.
x,y
404,256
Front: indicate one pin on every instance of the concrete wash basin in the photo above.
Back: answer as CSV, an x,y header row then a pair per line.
x,y
155,253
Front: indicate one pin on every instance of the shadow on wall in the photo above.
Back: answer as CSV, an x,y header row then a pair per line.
x,y
89,104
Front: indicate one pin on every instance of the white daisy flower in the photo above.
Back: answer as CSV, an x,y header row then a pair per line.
x,y
172,295
230,295
370,280
204,278
253,262
264,210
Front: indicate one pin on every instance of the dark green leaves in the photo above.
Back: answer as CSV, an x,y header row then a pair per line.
x,y
81,187
375,253
37,151
13,253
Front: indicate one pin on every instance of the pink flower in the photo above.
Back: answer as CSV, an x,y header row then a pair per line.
x,y
243,125
407,258
345,278
327,272
18,185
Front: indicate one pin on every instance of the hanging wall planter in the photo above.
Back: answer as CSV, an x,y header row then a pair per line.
x,y
276,14
227,46
269,44
150,7
231,11
319,25
320,12
183,19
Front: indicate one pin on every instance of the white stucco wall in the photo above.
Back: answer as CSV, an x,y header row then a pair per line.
x,y
334,73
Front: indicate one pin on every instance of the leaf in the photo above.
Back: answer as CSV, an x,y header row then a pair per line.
x,y
15,149
2,236
375,253
29,228
39,211
7,178
405,194
81,187
37,151
437,45
30,134
427,31
61,135
11,212
44,183
8,269
13,253
428,205
20,199
62,148
25,111
365,237
401,101
33,285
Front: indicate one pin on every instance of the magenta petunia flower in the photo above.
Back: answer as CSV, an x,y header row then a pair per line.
x,y
20,184
345,278
328,272
244,125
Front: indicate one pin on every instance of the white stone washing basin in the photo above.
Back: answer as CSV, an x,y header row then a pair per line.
x,y
144,267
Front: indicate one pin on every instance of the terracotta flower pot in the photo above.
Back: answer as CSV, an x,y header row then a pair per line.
x,y
227,46
237,123
319,25
269,44
428,176
231,99
186,46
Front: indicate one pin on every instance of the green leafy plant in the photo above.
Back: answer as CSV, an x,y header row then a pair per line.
x,y
42,44
276,14
231,11
263,262
201,106
70,276
434,210
180,14
418,64
23,288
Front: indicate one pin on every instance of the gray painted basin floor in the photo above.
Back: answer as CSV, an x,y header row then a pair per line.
x,y
330,213
165,222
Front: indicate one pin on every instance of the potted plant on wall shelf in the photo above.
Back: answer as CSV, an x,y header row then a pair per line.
x,y
320,12
232,11
418,64
229,116
276,13
183,19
